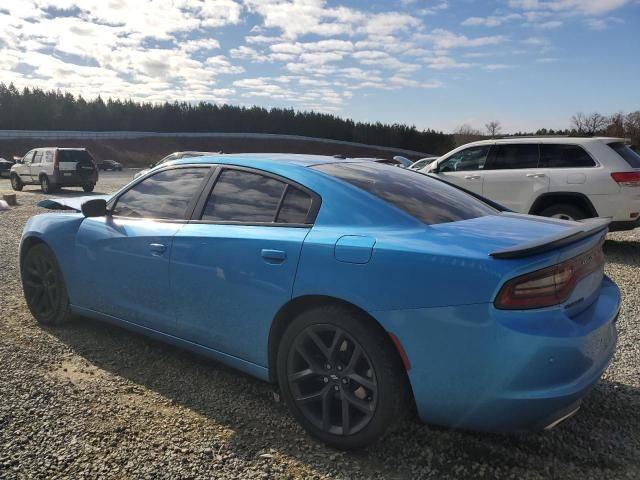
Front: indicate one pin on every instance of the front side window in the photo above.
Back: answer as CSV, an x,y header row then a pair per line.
x,y
515,155
164,195
37,157
241,196
564,156
424,198
28,157
472,158
625,151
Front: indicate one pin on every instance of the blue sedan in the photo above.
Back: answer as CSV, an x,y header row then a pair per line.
x,y
362,290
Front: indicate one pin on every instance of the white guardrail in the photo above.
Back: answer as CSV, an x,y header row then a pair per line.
x,y
75,134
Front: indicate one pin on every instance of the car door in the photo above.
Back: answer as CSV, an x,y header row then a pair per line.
x,y
234,265
465,167
24,168
123,258
512,176
36,166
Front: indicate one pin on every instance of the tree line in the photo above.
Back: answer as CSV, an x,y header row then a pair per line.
x,y
36,109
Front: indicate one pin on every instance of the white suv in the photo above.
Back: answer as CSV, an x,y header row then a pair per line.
x,y
53,168
562,177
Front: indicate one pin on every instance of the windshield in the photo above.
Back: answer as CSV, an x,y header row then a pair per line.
x,y
625,151
421,196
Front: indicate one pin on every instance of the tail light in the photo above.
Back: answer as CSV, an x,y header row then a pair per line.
x,y
56,161
627,179
551,285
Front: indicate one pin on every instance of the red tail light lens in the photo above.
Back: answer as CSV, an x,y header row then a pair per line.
x,y
549,286
627,179
56,161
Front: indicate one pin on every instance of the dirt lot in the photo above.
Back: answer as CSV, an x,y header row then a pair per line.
x,y
90,400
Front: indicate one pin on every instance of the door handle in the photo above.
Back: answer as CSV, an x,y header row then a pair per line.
x,y
536,175
273,256
157,249
472,177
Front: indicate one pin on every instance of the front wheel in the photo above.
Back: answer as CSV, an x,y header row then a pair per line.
x,y
341,377
44,287
16,183
88,188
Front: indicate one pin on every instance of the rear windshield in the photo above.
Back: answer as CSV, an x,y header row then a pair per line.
x,y
625,151
421,196
82,156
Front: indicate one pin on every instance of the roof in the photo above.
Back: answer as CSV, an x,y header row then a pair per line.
x,y
555,140
266,159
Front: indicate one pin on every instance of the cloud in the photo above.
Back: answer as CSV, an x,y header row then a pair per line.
x,y
444,40
582,7
491,21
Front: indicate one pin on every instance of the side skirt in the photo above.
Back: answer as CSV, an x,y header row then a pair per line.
x,y
249,368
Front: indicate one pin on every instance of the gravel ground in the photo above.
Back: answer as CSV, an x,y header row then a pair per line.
x,y
89,400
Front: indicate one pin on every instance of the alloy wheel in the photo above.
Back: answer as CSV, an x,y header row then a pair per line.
x,y
42,290
332,379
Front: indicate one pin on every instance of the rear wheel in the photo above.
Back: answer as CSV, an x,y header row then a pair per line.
x,y
44,287
16,183
340,377
88,188
45,185
564,211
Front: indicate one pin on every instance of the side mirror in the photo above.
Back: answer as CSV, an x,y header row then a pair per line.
x,y
94,208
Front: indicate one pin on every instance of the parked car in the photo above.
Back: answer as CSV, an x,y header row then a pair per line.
x,y
110,165
5,167
561,177
55,167
404,162
359,288
173,156
422,163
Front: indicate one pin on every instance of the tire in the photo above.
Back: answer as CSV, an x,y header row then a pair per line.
x,y
358,370
45,185
565,211
43,286
88,188
16,183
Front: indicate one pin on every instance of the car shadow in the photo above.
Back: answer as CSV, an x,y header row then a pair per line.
x,y
622,252
602,436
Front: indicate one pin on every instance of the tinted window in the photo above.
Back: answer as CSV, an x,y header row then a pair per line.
x,y
472,158
295,206
81,156
564,156
516,155
164,195
37,158
421,196
240,196
632,158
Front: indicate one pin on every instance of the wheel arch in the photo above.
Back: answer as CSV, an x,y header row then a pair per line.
x,y
574,198
296,306
28,243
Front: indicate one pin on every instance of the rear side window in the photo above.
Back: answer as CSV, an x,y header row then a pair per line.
x,y
515,155
625,151
564,156
48,156
421,196
164,195
37,158
240,196
295,206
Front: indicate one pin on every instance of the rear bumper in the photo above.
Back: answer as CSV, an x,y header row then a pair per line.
x,y
479,368
72,179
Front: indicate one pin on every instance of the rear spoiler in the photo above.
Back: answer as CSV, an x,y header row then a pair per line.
x,y
582,229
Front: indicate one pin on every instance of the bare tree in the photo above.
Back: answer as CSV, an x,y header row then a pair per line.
x,y
493,128
616,125
632,127
465,134
589,124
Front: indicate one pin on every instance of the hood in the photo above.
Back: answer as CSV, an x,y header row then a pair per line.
x,y
70,203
